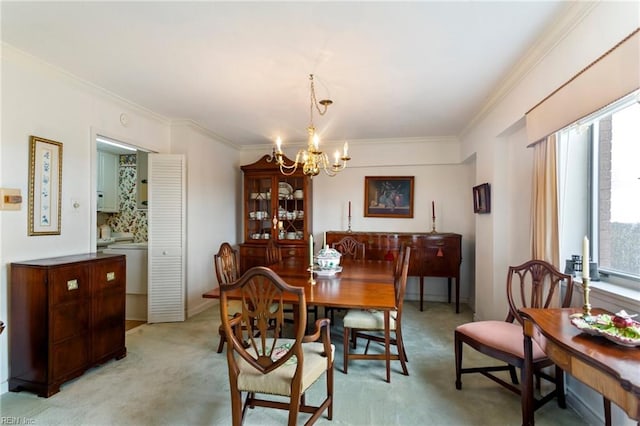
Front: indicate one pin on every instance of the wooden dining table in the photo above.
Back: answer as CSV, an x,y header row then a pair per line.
x,y
364,284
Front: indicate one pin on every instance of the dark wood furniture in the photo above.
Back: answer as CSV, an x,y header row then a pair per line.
x,y
610,369
273,366
276,207
67,315
226,263
432,254
361,285
536,284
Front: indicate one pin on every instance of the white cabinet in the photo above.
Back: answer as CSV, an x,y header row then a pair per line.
x,y
108,185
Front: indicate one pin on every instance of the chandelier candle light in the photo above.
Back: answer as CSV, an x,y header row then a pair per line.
x,y
312,160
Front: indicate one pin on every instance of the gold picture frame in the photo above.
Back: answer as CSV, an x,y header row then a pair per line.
x,y
388,196
45,186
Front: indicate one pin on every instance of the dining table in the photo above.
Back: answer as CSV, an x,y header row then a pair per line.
x,y
357,284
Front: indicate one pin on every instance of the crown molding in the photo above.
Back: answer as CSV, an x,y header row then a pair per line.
x,y
187,122
557,31
28,60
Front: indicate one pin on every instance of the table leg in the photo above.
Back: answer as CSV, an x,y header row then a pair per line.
x,y
526,393
457,278
387,344
607,411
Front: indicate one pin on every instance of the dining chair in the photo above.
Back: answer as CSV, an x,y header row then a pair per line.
x,y
263,363
227,266
272,253
534,284
368,324
350,248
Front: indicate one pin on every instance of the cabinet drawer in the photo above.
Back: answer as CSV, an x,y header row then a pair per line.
x,y
109,274
69,284
70,319
292,251
70,358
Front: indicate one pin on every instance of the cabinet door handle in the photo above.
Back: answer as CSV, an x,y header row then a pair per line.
x,y
111,276
72,285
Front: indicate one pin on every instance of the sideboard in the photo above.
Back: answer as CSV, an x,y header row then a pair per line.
x,y
433,254
67,316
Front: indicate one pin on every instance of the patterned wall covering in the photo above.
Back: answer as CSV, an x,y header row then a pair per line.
x,y
129,219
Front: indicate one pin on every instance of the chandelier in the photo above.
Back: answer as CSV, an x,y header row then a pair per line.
x,y
312,159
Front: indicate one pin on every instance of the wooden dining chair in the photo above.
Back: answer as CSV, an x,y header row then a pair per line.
x,y
261,362
368,324
350,248
533,284
226,264
272,253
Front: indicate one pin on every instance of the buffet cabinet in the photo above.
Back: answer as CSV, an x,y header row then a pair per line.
x,y
433,254
276,206
67,315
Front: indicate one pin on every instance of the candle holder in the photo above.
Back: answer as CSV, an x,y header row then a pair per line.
x,y
312,280
433,226
586,308
349,224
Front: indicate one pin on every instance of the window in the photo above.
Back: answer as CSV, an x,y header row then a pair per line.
x,y
599,172
616,204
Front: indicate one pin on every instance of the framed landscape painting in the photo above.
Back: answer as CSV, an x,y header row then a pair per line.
x,y
388,196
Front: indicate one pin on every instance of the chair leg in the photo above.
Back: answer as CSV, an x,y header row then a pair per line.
x,y
345,345
401,352
458,354
514,376
223,338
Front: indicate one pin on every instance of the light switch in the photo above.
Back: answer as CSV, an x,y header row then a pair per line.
x,y
10,199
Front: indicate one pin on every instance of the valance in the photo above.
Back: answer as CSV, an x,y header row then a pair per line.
x,y
613,75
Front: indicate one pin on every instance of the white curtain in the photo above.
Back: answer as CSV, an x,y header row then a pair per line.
x,y
544,204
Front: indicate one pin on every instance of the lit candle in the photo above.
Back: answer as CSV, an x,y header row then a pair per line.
x,y
310,249
585,257
346,149
316,141
433,209
337,156
349,208
279,144
324,242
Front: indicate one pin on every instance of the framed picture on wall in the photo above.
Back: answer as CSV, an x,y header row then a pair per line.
x,y
45,186
388,196
482,198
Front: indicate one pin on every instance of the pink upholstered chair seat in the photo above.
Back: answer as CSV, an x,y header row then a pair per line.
x,y
501,335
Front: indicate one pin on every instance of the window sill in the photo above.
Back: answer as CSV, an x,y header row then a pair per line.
x,y
609,296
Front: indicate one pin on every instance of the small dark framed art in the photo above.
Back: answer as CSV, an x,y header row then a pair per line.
x,y
388,196
482,198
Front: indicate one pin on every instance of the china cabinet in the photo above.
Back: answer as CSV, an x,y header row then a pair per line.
x,y
277,207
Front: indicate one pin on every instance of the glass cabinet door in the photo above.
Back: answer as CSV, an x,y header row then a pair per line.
x,y
259,207
291,208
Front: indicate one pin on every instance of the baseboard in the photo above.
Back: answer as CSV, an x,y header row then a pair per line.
x,y
586,411
204,305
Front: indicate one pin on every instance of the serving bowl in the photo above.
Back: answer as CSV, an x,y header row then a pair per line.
x,y
328,258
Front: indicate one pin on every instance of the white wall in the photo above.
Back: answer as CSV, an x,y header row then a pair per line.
x,y
43,101
440,176
213,191
498,141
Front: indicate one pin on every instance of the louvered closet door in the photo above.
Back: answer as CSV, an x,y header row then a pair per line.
x,y
167,224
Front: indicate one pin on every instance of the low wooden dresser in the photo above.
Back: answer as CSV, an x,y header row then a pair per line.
x,y
433,254
67,315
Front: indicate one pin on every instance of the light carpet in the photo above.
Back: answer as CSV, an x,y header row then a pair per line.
x,y
173,376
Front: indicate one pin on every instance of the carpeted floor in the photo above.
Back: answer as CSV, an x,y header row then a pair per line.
x,y
173,376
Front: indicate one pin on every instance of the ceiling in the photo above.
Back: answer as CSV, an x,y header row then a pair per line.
x,y
394,70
